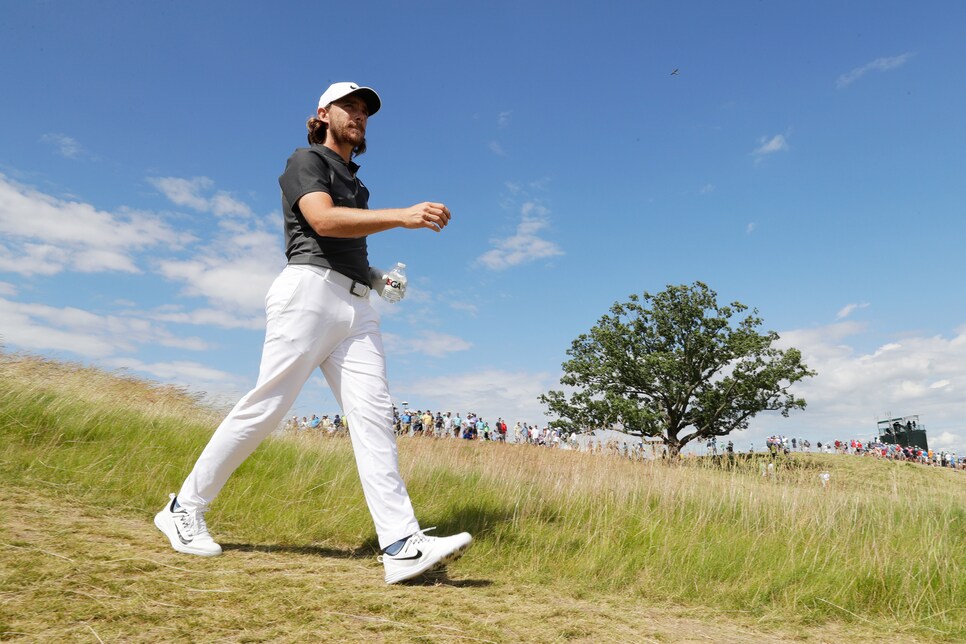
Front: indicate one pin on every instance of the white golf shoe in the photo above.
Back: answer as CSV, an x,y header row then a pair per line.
x,y
422,554
186,531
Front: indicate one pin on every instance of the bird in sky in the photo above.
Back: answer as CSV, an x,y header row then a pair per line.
x,y
674,73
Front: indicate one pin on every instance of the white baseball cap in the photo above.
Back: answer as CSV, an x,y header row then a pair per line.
x,y
341,90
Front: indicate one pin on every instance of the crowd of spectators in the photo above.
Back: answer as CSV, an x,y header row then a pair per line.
x,y
324,424
874,449
470,426
440,424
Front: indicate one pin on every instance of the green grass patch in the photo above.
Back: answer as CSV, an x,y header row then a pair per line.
x,y
883,545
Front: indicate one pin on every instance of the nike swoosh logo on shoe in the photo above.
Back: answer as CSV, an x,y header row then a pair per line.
x,y
418,555
180,537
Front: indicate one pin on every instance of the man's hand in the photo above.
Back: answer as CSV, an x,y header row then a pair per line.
x,y
377,279
428,214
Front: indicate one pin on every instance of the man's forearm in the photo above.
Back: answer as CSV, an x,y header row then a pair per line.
x,y
354,222
330,220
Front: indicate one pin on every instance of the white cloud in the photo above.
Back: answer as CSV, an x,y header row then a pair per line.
x,y
31,259
750,228
236,267
496,148
879,65
427,343
228,275
239,283
26,326
191,374
891,346
223,204
184,192
503,119
707,188
776,143
103,260
467,307
39,327
44,235
211,317
949,441
66,146
915,375
492,393
190,193
525,245
848,309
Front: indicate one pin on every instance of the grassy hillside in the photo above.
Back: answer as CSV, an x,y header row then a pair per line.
x,y
569,546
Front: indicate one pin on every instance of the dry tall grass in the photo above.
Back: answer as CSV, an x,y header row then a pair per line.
x,y
883,545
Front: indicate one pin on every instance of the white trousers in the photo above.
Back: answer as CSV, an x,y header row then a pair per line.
x,y
312,322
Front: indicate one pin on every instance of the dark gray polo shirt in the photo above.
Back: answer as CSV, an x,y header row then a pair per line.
x,y
319,169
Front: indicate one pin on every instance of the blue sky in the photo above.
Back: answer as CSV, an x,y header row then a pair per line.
x,y
807,159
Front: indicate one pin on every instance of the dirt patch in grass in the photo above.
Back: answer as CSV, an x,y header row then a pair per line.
x,y
73,573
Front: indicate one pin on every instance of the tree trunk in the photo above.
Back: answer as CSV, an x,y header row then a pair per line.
x,y
673,449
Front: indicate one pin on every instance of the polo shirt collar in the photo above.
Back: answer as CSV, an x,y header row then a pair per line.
x,y
335,156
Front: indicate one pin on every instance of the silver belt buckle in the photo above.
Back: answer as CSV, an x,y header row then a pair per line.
x,y
359,289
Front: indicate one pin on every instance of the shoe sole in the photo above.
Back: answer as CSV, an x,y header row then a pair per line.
x,y
434,568
159,522
450,558
440,567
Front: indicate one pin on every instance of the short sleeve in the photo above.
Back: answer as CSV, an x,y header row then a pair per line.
x,y
305,172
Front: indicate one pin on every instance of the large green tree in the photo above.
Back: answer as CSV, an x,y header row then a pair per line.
x,y
672,365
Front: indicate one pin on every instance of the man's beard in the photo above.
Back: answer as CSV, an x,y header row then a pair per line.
x,y
349,134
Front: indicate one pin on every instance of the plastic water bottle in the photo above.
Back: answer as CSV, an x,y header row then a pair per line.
x,y
395,283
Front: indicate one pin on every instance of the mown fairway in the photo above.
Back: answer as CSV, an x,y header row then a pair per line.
x,y
569,546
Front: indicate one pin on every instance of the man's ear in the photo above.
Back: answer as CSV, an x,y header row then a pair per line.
x,y
323,115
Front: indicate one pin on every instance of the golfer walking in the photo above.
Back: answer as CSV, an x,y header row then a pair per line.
x,y
319,316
